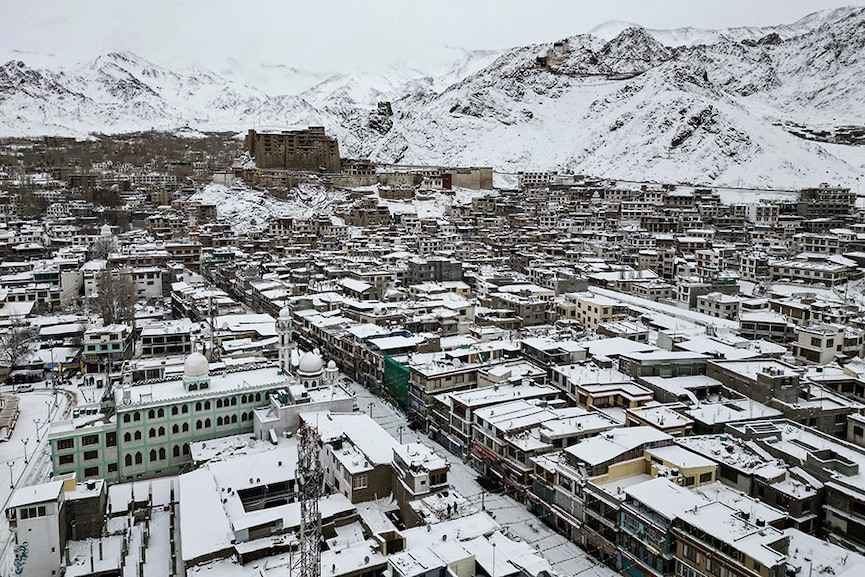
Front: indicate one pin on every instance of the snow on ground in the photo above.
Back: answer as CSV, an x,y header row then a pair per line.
x,y
428,204
249,210
36,409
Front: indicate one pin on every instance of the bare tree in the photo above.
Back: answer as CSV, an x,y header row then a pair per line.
x,y
15,344
102,247
116,297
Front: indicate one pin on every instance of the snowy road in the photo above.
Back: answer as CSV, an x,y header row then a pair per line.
x,y
30,433
517,522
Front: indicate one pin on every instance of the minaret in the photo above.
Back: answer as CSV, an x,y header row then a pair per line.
x,y
283,328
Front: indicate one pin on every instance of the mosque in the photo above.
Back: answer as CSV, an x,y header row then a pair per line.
x,y
148,430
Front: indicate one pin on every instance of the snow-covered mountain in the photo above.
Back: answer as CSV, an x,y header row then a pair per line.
x,y
772,105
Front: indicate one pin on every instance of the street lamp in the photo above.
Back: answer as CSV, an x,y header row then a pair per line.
x,y
399,430
494,559
25,441
11,482
36,422
370,410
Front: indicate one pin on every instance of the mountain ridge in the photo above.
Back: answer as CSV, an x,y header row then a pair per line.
x,y
741,109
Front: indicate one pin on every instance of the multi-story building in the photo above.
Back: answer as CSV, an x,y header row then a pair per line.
x,y
308,149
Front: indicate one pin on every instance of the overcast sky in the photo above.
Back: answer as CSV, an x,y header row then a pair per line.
x,y
336,35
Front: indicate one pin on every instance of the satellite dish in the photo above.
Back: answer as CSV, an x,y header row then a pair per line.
x,y
457,363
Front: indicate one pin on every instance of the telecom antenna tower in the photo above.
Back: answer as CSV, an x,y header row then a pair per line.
x,y
309,480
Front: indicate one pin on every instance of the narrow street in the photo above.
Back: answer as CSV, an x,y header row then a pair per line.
x,y
517,522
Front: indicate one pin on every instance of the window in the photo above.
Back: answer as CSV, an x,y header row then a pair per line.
x,y
136,416
138,435
705,478
64,444
206,405
185,409
198,424
110,439
161,453
161,431
173,411
32,512
858,431
218,421
90,455
112,467
90,440
175,429
689,552
233,401
139,458
91,472
151,433
713,567
126,418
151,414
198,406
359,482
206,423
152,455
185,448
218,403
160,413
185,427
175,451
128,460
66,459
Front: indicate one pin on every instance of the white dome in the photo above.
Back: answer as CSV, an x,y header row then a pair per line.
x,y
196,366
105,230
331,364
310,363
285,313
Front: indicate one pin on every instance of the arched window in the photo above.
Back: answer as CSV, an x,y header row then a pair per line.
x,y
139,458
175,428
152,455
151,414
198,424
206,423
243,416
128,460
160,413
185,448
127,437
161,453
233,401
218,421
137,435
206,405
136,416
243,399
198,406
185,409
126,418
257,397
161,431
151,433
218,403
175,451
185,427
173,411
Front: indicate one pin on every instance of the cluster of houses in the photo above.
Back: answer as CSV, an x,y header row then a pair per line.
x,y
670,378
